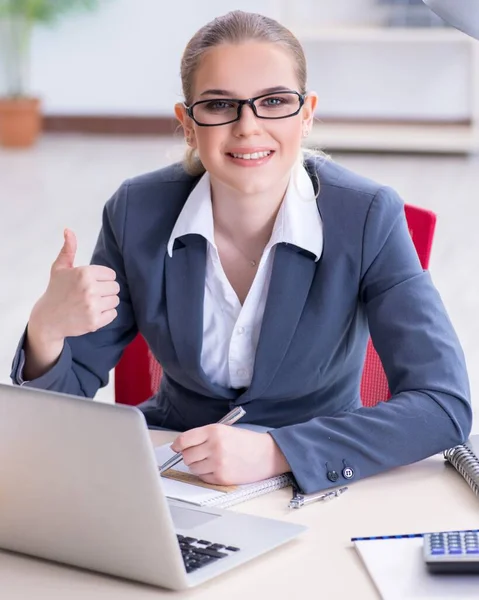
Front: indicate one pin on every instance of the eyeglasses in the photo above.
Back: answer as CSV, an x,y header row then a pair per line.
x,y
221,111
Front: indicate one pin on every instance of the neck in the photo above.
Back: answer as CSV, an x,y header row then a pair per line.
x,y
246,218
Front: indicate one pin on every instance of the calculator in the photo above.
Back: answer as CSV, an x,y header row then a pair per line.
x,y
451,552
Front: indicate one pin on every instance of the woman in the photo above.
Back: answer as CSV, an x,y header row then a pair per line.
x,y
255,278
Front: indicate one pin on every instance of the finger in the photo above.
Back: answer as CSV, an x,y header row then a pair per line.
x,y
66,257
108,302
192,437
106,318
202,468
107,288
101,273
195,454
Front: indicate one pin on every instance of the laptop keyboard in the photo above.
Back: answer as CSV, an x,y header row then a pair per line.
x,y
199,553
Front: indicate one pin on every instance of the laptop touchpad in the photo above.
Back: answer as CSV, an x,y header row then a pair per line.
x,y
188,518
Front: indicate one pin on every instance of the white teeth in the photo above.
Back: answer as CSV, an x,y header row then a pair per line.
x,y
253,156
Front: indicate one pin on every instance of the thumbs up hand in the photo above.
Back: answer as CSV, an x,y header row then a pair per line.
x,y
78,300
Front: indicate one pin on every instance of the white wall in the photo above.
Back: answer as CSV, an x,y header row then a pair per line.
x,y
331,12
124,59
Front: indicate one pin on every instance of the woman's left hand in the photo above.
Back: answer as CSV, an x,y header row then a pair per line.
x,y
226,455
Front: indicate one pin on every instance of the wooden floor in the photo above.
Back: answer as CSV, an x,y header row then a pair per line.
x,y
66,179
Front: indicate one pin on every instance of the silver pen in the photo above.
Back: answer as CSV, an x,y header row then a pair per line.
x,y
233,416
300,500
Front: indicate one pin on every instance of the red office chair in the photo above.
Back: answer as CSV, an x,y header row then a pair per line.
x,y
138,374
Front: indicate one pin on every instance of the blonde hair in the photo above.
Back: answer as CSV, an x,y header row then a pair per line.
x,y
234,28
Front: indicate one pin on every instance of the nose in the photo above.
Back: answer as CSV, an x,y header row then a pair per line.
x,y
248,123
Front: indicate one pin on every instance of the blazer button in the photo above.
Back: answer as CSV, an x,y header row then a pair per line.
x,y
332,476
348,473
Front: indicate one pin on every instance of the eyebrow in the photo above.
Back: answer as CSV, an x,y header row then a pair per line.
x,y
228,94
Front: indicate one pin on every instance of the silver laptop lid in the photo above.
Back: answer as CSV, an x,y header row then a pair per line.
x,y
64,464
461,14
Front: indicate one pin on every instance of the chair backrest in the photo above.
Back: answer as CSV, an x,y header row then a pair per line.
x,y
138,374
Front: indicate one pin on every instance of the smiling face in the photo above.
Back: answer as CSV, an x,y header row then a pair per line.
x,y
245,71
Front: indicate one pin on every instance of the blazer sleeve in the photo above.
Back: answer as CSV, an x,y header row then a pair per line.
x,y
430,408
86,360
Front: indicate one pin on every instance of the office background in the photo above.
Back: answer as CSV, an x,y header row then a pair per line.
x,y
399,102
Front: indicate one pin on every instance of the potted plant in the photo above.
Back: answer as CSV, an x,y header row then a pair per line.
x,y
20,112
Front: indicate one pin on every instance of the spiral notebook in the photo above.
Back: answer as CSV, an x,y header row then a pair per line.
x,y
465,459
180,484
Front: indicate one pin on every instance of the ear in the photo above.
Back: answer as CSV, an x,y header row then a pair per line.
x,y
309,108
186,123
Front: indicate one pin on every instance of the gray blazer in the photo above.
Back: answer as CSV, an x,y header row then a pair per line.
x,y
312,344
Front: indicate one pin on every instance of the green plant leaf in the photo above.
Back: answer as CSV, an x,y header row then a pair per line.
x,y
43,11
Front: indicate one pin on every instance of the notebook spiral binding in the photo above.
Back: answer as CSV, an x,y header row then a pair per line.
x,y
466,463
248,492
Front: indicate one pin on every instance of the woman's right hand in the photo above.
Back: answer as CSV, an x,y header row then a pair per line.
x,y
78,300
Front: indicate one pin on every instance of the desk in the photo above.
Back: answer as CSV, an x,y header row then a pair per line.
x,y
426,496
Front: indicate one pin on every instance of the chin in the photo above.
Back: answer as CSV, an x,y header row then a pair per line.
x,y
253,183
253,188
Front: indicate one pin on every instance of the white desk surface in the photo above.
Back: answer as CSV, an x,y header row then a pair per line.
x,y
322,563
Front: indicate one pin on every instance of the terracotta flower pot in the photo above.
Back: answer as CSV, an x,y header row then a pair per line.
x,y
20,122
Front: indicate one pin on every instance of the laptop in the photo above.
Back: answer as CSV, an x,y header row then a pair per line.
x,y
79,485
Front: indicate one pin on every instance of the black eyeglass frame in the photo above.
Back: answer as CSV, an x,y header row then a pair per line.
x,y
250,102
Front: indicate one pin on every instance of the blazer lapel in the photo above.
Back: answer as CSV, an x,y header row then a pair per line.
x,y
291,278
185,274
185,286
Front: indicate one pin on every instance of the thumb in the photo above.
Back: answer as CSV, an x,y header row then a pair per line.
x,y
66,258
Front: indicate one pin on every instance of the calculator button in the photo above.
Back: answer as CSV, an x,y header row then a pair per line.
x,y
438,551
472,550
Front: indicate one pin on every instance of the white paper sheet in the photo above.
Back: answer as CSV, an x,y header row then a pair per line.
x,y
397,568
